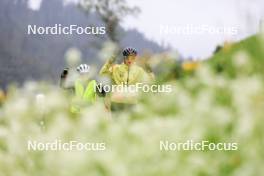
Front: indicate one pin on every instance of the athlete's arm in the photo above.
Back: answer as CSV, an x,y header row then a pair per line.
x,y
107,68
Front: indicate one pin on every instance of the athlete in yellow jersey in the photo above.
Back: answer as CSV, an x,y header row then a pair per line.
x,y
127,73
85,89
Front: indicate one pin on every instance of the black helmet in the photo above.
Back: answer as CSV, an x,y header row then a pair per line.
x,y
129,51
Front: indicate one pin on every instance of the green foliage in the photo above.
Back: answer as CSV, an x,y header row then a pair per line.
x,y
243,57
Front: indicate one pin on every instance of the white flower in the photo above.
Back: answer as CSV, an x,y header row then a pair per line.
x,y
73,57
241,59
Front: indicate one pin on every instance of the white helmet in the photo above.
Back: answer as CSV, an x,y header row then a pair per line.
x,y
83,68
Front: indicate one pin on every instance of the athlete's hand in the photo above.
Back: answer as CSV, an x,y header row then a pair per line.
x,y
64,73
112,59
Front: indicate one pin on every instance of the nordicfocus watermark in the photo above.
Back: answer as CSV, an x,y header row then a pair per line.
x,y
190,145
58,145
58,29
138,87
198,30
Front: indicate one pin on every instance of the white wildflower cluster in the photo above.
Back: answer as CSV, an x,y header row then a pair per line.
x,y
206,106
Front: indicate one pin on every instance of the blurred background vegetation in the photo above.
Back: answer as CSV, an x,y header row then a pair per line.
x,y
26,57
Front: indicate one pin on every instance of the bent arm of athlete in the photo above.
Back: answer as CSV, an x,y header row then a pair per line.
x,y
107,67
